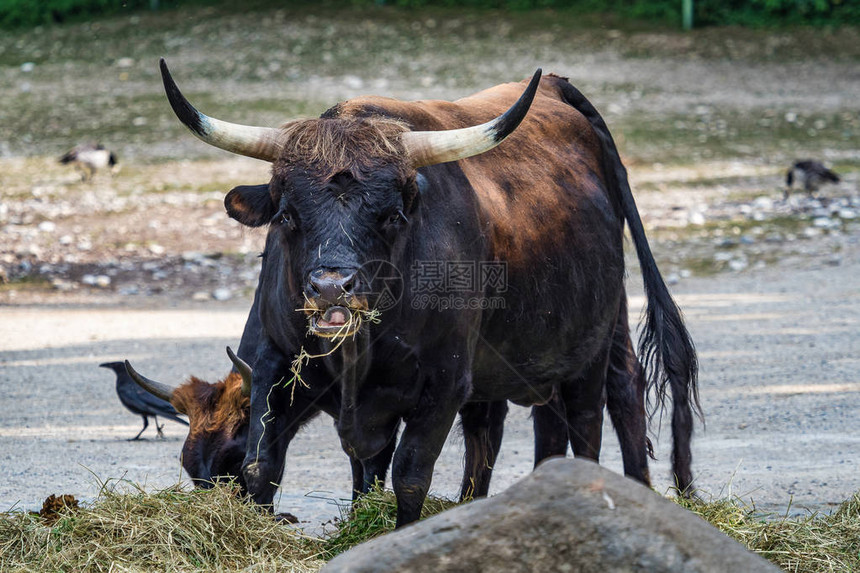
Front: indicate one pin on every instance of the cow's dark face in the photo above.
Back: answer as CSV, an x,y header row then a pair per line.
x,y
218,429
337,217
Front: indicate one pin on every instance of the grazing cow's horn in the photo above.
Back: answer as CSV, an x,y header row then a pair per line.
x,y
258,142
432,147
244,369
157,389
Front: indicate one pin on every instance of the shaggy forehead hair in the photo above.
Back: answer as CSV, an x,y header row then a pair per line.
x,y
213,407
327,146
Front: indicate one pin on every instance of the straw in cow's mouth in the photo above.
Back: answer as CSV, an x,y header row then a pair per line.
x,y
338,321
335,317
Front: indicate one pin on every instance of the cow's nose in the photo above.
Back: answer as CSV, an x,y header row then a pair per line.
x,y
333,286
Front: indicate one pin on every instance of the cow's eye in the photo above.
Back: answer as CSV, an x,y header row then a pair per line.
x,y
285,219
396,218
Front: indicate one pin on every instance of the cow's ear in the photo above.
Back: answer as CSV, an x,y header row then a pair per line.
x,y
251,205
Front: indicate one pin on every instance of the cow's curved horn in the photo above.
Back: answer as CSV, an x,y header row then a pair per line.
x,y
258,142
244,369
432,147
157,389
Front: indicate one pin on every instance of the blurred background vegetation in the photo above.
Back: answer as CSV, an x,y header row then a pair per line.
x,y
752,13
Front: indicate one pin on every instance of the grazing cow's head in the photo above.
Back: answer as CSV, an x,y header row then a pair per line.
x,y
218,423
341,194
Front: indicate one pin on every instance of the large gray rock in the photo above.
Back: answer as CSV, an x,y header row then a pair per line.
x,y
569,515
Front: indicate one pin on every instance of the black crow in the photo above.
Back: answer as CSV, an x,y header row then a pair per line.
x,y
88,158
139,401
811,173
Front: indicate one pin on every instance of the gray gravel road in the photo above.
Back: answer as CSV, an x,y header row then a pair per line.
x,y
779,386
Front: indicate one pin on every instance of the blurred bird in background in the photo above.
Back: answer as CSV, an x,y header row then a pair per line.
x,y
811,174
139,401
89,158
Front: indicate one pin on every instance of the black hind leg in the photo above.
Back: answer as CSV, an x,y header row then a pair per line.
x,y
584,399
625,390
550,425
483,425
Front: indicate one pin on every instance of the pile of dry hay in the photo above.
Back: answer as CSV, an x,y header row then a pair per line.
x,y
212,529
169,530
807,544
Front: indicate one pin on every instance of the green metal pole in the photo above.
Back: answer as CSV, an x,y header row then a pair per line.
x,y
687,12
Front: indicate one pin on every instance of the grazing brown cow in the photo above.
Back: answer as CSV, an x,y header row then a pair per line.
x,y
218,424
218,427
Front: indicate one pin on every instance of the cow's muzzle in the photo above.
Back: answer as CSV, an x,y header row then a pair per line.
x,y
330,287
334,303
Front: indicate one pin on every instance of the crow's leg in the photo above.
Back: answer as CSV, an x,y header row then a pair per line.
x,y
145,424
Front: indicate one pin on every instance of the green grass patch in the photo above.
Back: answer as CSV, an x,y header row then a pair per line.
x,y
741,226
32,282
132,124
264,63
759,13
712,134
373,515
730,230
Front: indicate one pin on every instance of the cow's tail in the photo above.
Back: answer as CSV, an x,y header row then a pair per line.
x,y
665,346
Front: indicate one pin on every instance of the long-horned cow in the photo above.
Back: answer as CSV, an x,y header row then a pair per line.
x,y
376,184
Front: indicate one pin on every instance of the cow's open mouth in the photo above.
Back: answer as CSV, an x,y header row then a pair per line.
x,y
335,321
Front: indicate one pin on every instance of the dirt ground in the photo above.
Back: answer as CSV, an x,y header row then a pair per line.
x,y
144,265
779,362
